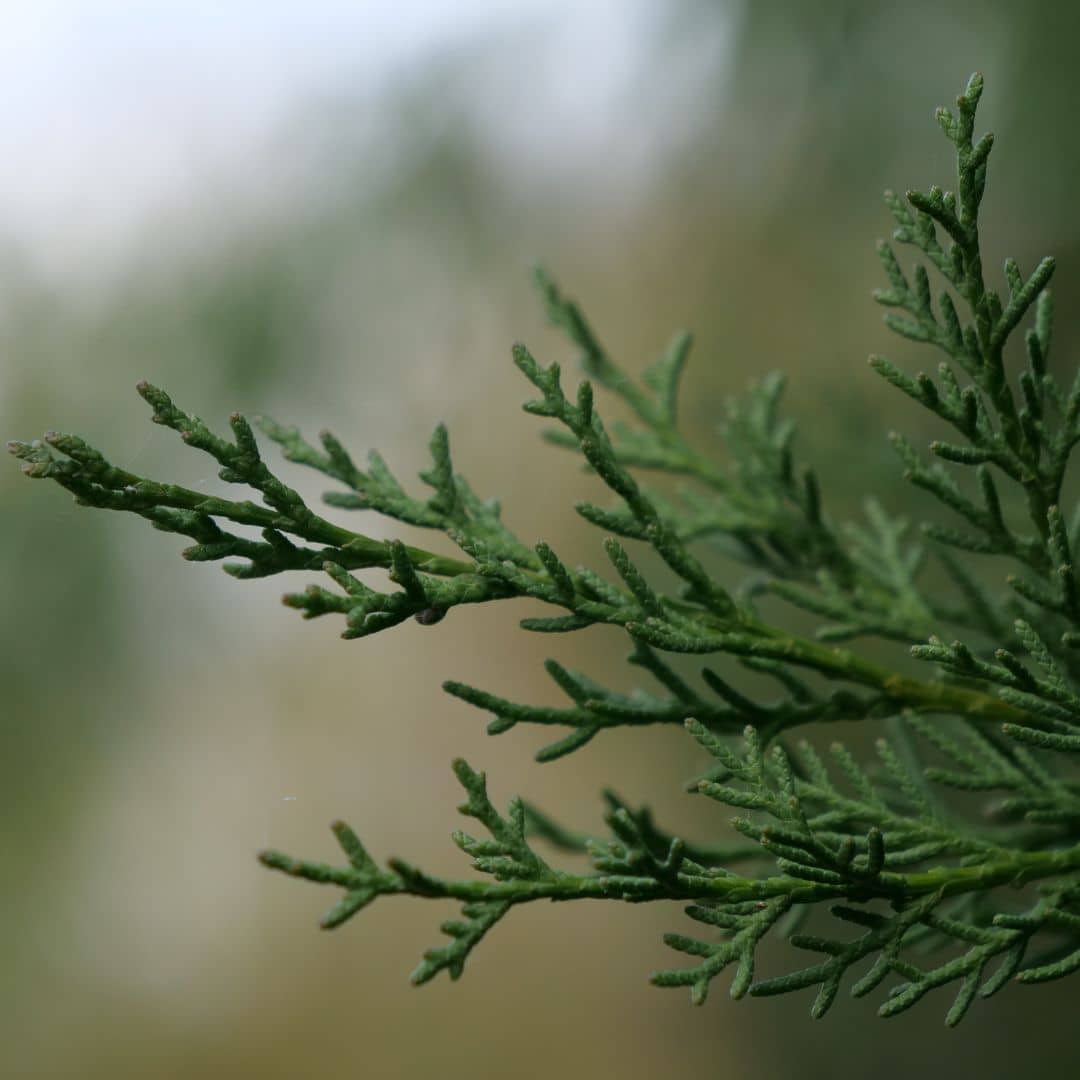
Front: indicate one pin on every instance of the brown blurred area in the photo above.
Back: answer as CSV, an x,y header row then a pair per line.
x,y
161,722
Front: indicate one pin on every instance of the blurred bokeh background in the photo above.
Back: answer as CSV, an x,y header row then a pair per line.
x,y
326,212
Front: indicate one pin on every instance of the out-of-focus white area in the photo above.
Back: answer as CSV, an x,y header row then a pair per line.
x,y
112,111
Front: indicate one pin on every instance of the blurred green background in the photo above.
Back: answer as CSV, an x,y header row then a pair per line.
x,y
327,212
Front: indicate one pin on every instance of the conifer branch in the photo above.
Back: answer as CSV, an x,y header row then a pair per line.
x,y
915,885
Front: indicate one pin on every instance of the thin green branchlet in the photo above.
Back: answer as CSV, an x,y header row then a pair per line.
x,y
877,868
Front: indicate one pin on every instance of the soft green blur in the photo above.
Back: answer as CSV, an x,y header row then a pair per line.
x,y
162,722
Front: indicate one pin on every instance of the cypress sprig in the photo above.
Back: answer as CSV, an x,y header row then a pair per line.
x,y
879,868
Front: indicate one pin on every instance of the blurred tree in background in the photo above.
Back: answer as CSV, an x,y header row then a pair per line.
x,y
731,186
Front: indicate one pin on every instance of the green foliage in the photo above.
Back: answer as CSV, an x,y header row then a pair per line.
x,y
953,857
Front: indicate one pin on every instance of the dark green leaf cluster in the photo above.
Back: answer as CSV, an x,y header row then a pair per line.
x,y
952,858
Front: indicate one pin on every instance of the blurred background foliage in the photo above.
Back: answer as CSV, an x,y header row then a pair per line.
x,y
703,164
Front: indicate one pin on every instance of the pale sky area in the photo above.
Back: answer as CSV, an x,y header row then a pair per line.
x,y
111,111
